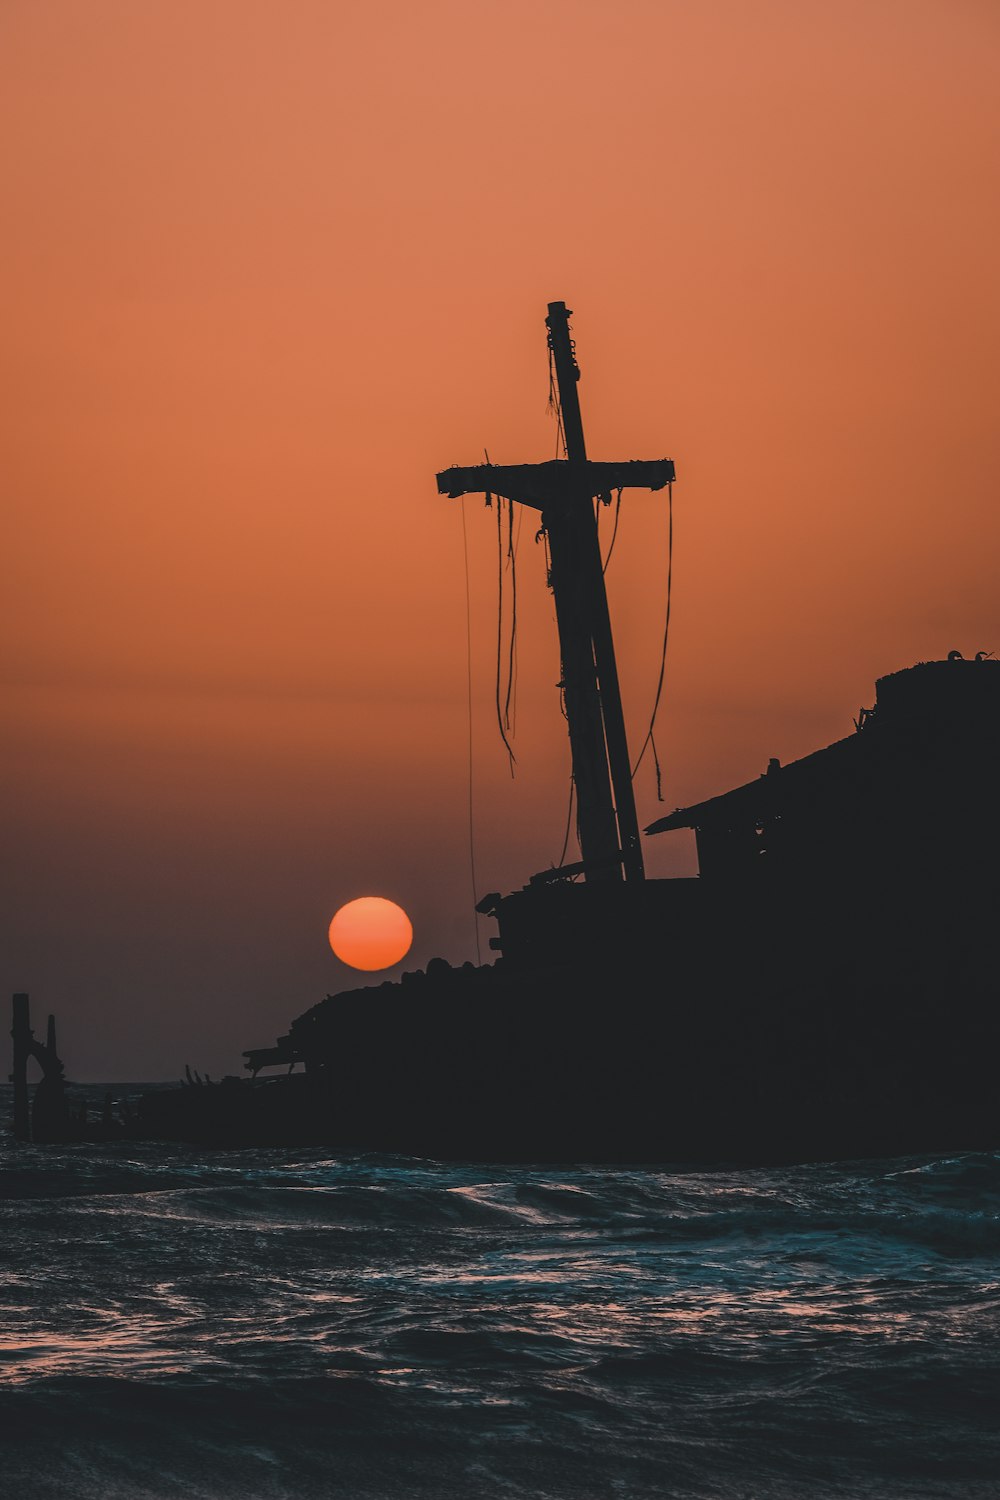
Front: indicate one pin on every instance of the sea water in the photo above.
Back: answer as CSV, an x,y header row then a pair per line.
x,y
179,1322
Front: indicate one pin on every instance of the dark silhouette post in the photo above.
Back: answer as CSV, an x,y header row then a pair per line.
x,y
49,1116
564,490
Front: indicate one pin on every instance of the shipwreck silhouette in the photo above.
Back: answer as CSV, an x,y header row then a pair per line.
x,y
826,987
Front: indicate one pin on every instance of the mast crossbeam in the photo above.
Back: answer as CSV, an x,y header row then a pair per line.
x,y
556,482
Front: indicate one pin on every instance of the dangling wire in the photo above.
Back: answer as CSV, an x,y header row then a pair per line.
x,y
500,560
555,407
468,665
543,534
512,564
650,739
515,643
614,532
569,821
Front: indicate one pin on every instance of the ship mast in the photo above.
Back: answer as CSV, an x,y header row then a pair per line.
x,y
564,491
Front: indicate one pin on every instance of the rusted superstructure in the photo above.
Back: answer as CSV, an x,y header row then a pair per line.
x,y
913,790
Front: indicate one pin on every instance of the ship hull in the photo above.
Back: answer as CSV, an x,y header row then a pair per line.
x,y
827,988
766,1038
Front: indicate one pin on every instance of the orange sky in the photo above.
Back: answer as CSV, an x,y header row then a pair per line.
x,y
269,267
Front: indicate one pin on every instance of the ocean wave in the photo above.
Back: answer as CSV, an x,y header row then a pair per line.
x,y
272,1324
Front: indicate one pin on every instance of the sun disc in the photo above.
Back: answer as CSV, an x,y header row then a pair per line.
x,y
371,933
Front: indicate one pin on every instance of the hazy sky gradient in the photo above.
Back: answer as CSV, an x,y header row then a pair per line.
x,y
269,267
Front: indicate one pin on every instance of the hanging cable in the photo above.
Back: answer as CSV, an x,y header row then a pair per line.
x,y
468,666
614,532
515,643
555,408
650,740
569,821
512,564
543,534
500,558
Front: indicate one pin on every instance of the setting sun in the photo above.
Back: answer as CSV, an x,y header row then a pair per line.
x,y
371,933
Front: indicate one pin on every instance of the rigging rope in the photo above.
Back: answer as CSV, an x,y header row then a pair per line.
x,y
555,407
543,534
503,733
650,740
569,820
614,531
512,564
468,667
515,644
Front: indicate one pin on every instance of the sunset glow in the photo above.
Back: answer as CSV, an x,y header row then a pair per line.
x,y
268,269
